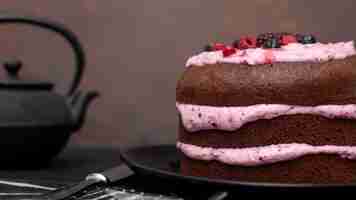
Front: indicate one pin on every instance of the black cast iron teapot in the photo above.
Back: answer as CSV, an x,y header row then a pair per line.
x,y
36,122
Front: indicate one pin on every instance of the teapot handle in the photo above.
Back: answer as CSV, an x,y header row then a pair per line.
x,y
70,37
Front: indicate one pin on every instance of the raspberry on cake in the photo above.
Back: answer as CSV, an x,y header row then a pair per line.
x,y
278,107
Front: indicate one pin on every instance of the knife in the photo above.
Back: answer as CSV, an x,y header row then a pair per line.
x,y
94,179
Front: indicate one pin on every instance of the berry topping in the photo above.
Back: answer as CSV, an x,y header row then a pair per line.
x,y
272,43
219,46
262,38
236,44
265,40
247,42
228,51
208,47
306,39
282,37
299,37
214,47
286,39
309,39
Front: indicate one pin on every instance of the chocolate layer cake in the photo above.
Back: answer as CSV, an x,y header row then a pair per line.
x,y
276,108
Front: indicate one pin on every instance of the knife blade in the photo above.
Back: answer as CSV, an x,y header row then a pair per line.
x,y
94,179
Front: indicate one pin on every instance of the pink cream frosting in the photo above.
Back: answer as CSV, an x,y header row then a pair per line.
x,y
293,52
255,156
200,117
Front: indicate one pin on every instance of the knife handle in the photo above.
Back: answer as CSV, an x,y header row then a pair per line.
x,y
65,192
221,195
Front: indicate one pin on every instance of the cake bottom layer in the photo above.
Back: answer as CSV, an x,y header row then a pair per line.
x,y
307,169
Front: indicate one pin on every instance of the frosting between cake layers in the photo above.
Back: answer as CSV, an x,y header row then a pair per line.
x,y
255,156
200,117
293,52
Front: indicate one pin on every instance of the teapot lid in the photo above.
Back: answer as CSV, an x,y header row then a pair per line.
x,y
12,67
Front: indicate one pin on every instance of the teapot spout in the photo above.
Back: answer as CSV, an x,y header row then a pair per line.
x,y
79,103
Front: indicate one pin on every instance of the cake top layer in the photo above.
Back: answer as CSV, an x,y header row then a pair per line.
x,y
271,48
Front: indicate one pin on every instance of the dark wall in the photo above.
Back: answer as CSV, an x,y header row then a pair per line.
x,y
136,50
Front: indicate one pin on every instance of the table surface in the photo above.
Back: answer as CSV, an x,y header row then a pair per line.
x,y
71,166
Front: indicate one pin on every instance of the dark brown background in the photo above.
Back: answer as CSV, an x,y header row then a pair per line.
x,y
137,49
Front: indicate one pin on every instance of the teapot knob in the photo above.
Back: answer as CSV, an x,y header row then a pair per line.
x,y
13,67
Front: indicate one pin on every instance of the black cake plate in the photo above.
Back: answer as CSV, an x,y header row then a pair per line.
x,y
161,161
